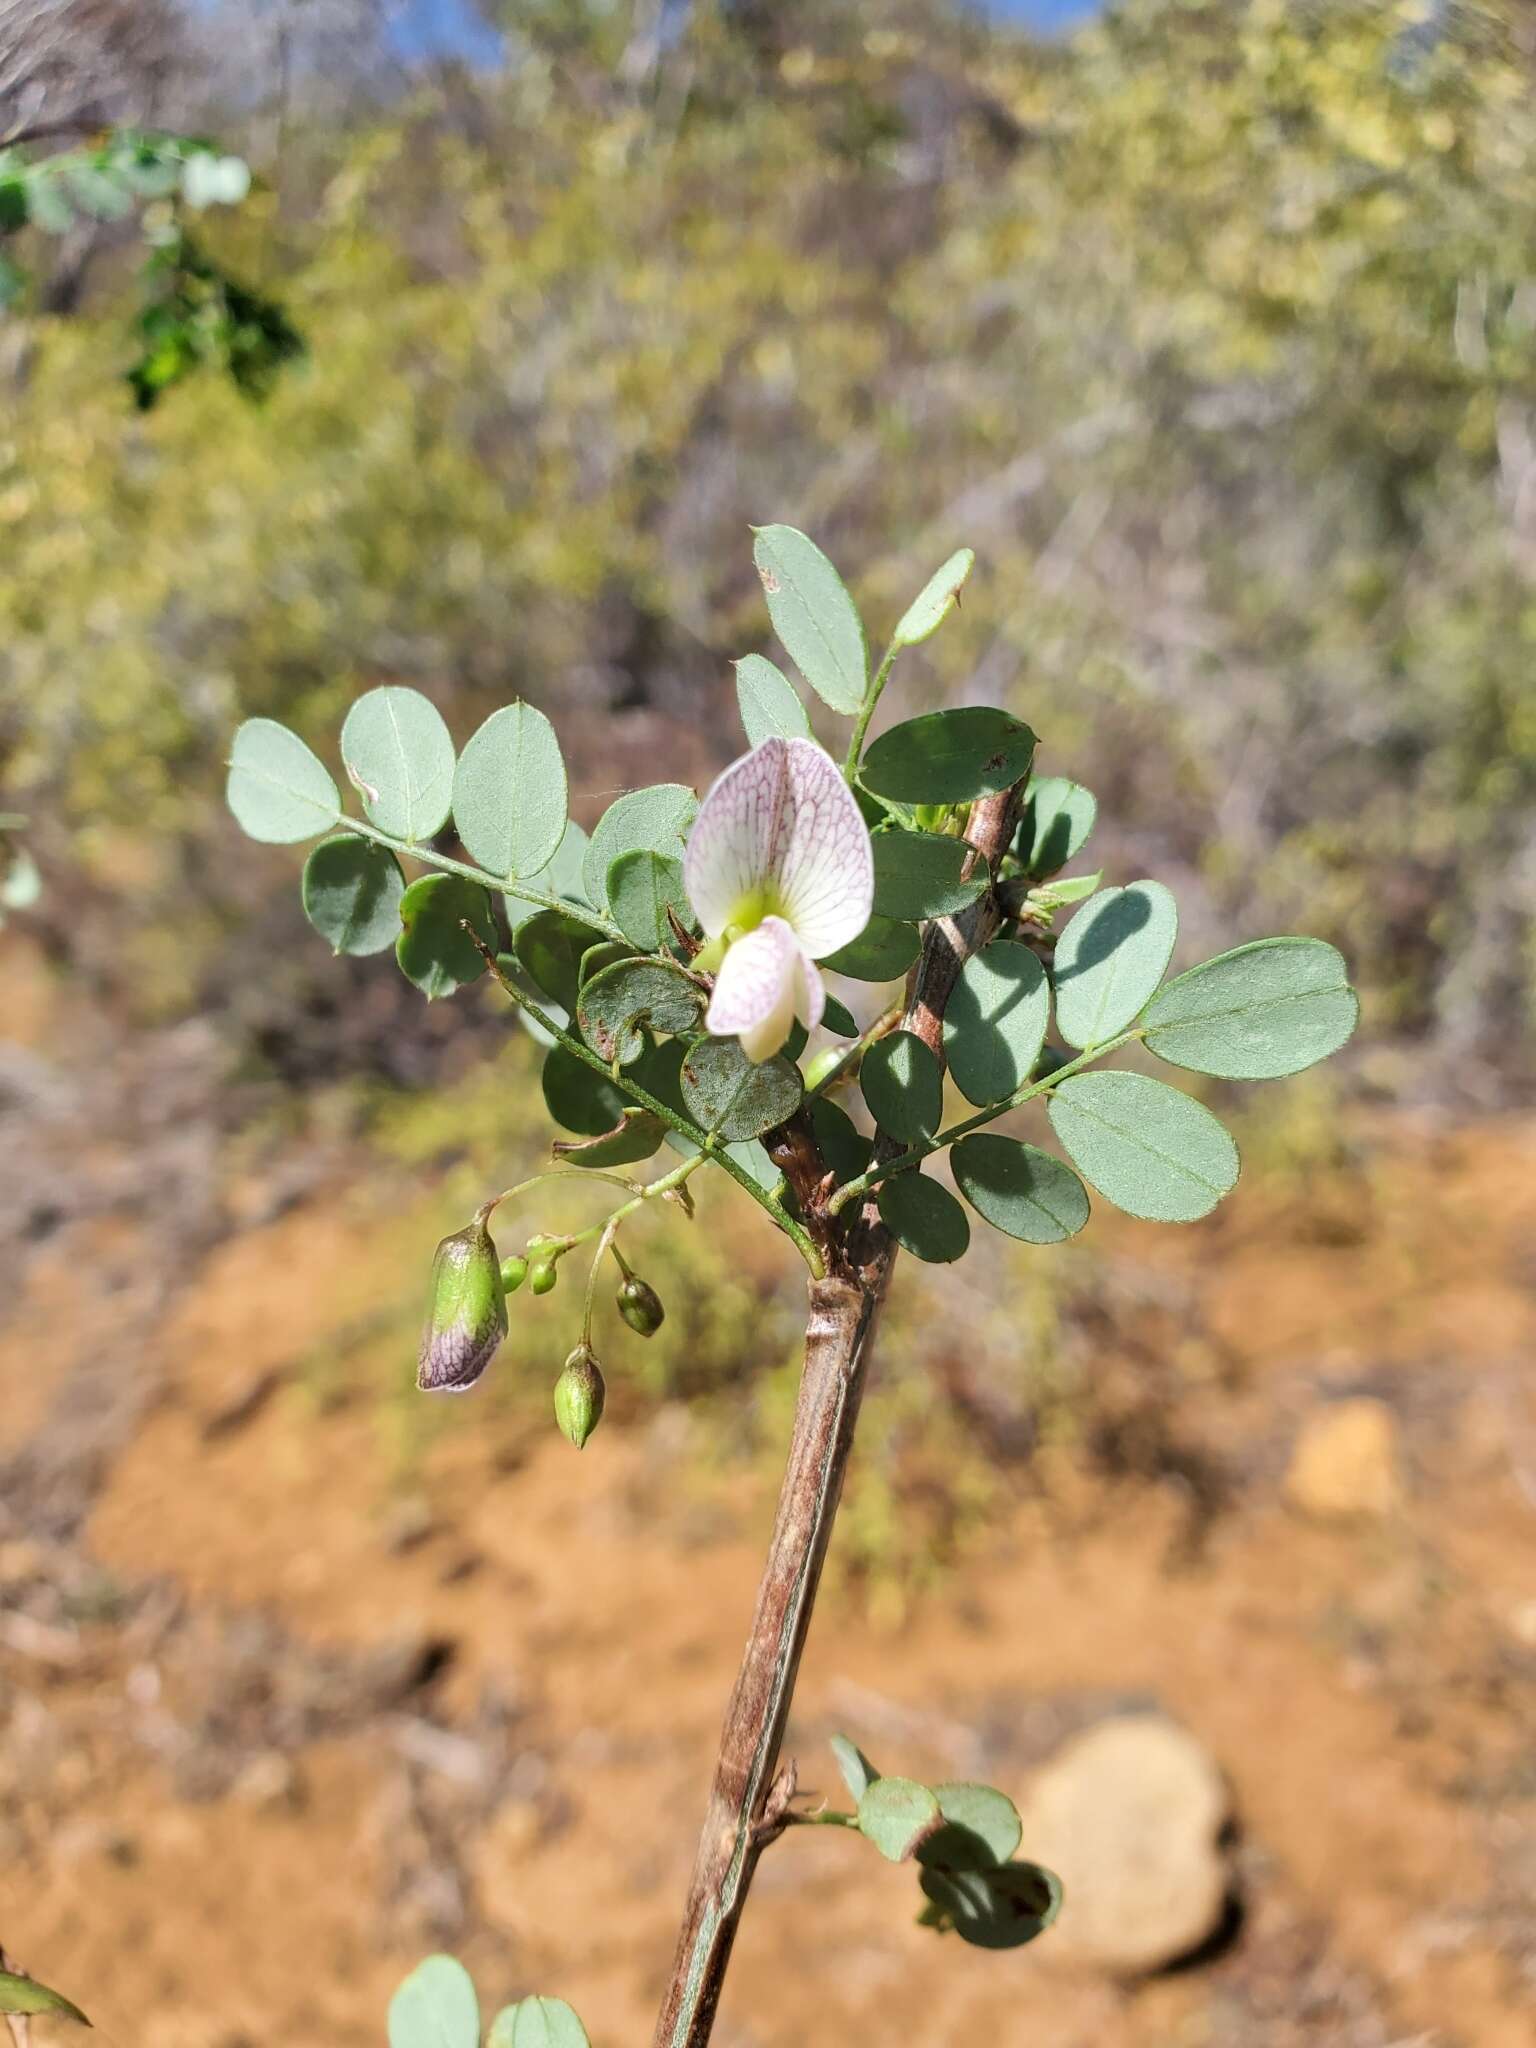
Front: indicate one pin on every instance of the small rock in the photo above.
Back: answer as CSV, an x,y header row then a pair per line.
x,y
1346,1462
1129,1815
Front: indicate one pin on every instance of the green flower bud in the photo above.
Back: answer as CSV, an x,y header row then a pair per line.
x,y
640,1306
579,1396
466,1312
542,1275
513,1273
826,1062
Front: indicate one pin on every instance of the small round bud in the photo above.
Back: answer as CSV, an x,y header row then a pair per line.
x,y
826,1062
466,1312
640,1306
514,1272
542,1275
579,1396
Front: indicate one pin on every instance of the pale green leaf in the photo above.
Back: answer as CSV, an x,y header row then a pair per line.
x,y
510,794
903,1085
435,2007
278,790
813,615
918,875
398,755
730,1095
924,1218
1110,959
642,886
994,1025
655,820
1151,1150
1058,817
935,601
1256,1013
897,1814
1019,1189
769,703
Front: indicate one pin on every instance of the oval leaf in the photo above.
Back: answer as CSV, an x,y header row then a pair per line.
x,y
903,1085
1151,1150
917,875
842,1144
897,1814
637,1135
1256,1013
24,1996
813,616
510,793
278,790
433,948
1058,816
924,1218
981,1829
435,2007
352,891
642,885
551,947
935,601
857,1770
1019,1189
948,757
655,819
994,1909
398,755
579,1098
769,702
883,951
546,2023
560,876
1110,960
620,1002
728,1095
995,1023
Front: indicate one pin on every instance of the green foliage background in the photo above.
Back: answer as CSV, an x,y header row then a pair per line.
x,y
1212,330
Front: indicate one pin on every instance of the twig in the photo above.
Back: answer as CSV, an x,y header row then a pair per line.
x,y
744,1813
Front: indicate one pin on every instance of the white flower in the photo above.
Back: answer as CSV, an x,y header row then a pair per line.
x,y
779,871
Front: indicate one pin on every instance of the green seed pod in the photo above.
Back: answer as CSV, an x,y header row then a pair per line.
x,y
542,1275
640,1306
514,1272
579,1396
466,1312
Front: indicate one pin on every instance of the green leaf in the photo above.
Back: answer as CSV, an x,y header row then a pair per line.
x,y
839,1019
1151,1150
618,1002
994,1909
551,947
637,1135
917,875
579,1098
1256,1013
924,1218
903,1085
433,948
278,790
560,876
1019,1189
25,1996
935,601
398,755
813,616
510,794
655,819
981,1829
352,892
728,1094
21,884
543,2024
641,885
897,1814
857,1770
843,1145
435,2007
512,970
500,2035
883,951
948,757
1053,896
1110,959
769,703
995,1023
1058,816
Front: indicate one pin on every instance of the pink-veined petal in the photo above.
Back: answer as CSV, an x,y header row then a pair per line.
x,y
823,864
755,990
730,847
810,992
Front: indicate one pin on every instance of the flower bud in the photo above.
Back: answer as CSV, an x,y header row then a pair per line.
x,y
826,1062
466,1312
579,1396
640,1306
542,1275
514,1272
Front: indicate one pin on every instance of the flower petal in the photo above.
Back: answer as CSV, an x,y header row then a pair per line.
x,y
810,992
730,847
823,862
755,990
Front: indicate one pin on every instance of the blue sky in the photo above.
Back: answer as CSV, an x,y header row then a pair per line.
x,y
434,28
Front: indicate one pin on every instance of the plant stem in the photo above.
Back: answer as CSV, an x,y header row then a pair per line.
x,y
867,712
430,858
749,1796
